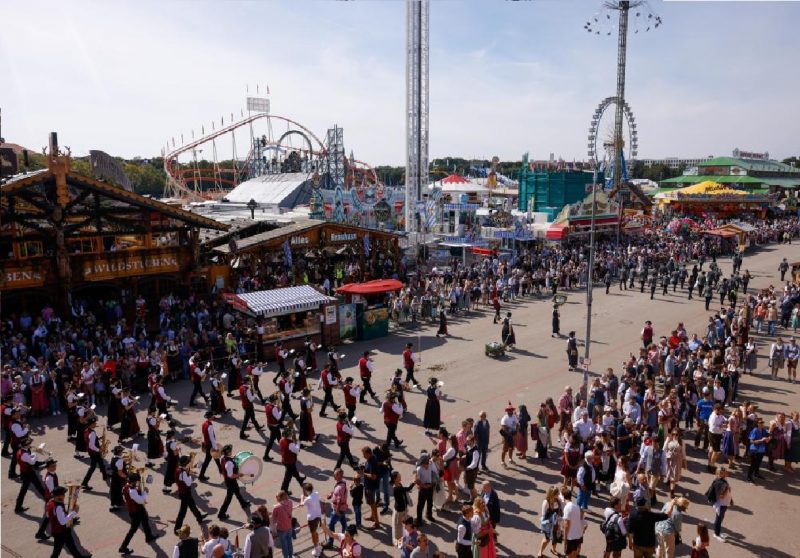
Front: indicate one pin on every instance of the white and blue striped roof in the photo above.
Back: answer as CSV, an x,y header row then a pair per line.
x,y
277,302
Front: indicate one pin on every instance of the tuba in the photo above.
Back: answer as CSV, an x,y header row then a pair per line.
x,y
73,491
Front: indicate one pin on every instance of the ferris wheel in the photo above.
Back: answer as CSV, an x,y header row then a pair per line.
x,y
601,132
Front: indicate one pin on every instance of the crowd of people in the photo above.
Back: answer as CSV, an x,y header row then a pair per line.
x,y
623,434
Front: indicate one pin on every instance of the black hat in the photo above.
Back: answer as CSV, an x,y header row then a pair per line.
x,y
118,449
348,380
134,477
185,459
50,461
352,530
257,520
209,414
93,420
227,448
59,491
409,344
641,502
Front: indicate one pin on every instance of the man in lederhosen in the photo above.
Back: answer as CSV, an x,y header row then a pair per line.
x,y
18,432
183,479
96,460
408,364
160,397
274,418
209,444
344,432
60,526
119,475
135,500
196,376
285,389
329,381
247,398
49,482
365,371
230,471
26,460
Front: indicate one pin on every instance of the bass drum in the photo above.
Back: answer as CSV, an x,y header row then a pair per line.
x,y
250,466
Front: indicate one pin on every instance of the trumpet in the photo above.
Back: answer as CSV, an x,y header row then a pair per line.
x,y
40,449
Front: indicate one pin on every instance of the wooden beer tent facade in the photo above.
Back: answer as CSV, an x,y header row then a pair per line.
x,y
61,232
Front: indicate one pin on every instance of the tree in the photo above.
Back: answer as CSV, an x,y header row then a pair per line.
x,y
793,160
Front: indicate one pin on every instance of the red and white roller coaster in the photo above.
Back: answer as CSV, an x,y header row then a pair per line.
x,y
270,150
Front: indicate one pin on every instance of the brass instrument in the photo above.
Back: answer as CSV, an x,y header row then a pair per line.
x,y
191,464
216,453
104,443
73,491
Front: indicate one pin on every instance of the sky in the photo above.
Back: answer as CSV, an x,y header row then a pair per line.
x,y
505,77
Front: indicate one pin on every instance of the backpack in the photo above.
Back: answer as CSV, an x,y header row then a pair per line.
x,y
711,493
610,528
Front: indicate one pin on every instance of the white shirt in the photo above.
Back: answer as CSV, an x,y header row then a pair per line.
x,y
583,428
139,498
572,513
294,448
355,391
510,422
211,436
185,478
475,459
62,517
93,441
398,409
249,394
162,393
313,506
276,412
608,512
347,429
229,467
208,548
28,457
716,423
18,430
49,482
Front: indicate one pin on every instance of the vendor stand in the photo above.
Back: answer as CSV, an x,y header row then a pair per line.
x,y
290,315
372,313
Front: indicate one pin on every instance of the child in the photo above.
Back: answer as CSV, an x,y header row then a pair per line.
x,y
700,546
357,498
313,514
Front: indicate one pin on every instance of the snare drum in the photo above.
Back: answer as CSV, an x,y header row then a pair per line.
x,y
249,465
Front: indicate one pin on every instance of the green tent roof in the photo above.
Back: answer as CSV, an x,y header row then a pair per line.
x,y
688,179
750,165
781,182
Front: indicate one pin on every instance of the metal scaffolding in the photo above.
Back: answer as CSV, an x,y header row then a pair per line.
x,y
417,76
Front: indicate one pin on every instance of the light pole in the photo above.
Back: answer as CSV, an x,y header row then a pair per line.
x,y
589,287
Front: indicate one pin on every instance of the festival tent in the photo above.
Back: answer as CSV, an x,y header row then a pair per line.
x,y
455,183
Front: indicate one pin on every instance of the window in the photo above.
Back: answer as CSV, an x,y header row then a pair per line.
x,y
29,248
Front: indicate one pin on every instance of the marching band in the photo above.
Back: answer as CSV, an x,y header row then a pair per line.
x,y
125,469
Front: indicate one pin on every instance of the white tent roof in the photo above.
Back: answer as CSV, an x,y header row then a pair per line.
x,y
277,302
268,189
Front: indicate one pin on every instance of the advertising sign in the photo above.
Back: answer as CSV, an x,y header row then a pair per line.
x,y
99,269
347,321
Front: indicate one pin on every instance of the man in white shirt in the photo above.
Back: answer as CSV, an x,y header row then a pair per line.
x,y
583,426
508,428
135,501
27,471
313,507
716,426
60,525
573,525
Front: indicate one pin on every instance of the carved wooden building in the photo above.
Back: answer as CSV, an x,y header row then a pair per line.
x,y
62,233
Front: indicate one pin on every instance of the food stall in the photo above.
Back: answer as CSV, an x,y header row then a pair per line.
x,y
371,312
289,315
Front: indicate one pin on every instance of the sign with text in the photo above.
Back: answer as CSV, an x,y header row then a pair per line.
x,y
342,237
21,278
99,269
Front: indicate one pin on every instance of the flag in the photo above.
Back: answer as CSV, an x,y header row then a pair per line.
x,y
287,253
366,245
181,139
267,89
256,89
203,129
221,120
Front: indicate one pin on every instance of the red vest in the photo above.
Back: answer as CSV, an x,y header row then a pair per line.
x,y
130,504
288,457
282,386
278,358
157,396
86,434
224,463
246,403
24,468
47,494
341,435
151,381
349,400
325,380
206,437
366,374
408,362
193,372
14,439
183,489
55,527
271,420
389,416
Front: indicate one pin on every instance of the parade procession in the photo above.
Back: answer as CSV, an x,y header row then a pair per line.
x,y
255,344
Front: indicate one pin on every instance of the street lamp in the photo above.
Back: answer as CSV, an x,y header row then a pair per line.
x,y
589,286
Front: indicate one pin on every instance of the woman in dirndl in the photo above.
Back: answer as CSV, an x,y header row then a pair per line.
x,y
730,441
483,540
299,380
777,444
448,449
130,426
114,405
432,419
442,322
305,422
521,436
571,459
155,447
39,403
793,440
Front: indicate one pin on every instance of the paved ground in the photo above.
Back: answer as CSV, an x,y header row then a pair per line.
x,y
537,369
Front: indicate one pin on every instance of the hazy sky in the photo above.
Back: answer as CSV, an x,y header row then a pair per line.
x,y
506,77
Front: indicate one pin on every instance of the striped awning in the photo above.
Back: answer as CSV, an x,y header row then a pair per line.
x,y
277,302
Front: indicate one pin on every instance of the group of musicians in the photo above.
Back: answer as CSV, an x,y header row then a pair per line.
x,y
127,480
